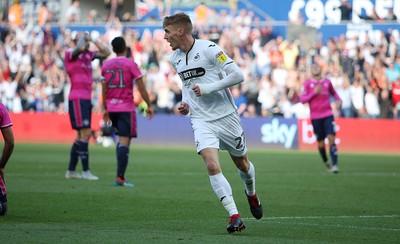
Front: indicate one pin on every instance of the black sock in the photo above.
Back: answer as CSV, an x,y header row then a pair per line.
x,y
84,154
73,158
122,160
322,152
333,152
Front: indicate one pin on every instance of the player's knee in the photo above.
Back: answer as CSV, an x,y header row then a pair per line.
x,y
3,209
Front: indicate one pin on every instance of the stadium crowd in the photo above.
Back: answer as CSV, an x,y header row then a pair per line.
x,y
364,69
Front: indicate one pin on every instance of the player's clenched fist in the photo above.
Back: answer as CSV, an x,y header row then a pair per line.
x,y
183,108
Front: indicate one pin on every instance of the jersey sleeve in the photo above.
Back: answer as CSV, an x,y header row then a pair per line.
x,y
5,119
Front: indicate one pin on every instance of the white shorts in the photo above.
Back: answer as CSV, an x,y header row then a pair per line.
x,y
225,133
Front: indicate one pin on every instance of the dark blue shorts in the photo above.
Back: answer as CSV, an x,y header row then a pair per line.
x,y
80,113
323,127
124,123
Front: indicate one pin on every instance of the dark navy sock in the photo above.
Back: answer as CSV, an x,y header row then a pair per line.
x,y
122,160
3,208
73,157
84,154
322,152
334,156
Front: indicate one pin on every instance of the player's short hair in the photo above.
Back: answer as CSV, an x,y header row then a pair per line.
x,y
118,44
180,20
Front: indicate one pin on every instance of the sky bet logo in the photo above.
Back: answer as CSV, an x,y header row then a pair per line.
x,y
275,132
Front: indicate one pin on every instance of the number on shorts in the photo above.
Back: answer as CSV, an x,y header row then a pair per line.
x,y
240,141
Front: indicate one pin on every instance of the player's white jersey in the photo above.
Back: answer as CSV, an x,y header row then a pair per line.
x,y
204,63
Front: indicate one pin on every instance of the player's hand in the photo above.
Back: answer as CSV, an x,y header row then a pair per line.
x,y
339,104
196,90
149,113
318,89
183,108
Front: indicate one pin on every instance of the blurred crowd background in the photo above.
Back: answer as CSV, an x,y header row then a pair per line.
x,y
364,70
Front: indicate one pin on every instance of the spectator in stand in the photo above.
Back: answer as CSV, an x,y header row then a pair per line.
x,y
15,14
317,92
396,98
357,96
43,14
267,96
391,72
23,32
78,65
397,62
289,51
371,102
92,17
344,91
239,99
345,10
114,29
385,104
201,14
8,148
114,9
73,12
251,111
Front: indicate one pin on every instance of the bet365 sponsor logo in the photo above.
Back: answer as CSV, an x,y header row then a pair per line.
x,y
279,133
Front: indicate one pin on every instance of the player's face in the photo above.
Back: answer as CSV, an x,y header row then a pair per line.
x,y
315,70
172,36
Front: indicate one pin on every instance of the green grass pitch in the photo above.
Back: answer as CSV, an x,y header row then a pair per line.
x,y
172,201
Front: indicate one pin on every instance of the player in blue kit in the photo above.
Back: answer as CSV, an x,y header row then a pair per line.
x,y
207,73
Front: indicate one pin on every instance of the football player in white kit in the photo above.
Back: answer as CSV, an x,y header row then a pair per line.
x,y
207,73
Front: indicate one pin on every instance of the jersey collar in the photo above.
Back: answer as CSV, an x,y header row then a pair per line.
x,y
187,53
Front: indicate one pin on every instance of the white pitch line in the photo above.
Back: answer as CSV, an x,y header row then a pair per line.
x,y
330,217
342,226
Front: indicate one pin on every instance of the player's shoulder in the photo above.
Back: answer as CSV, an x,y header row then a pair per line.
x,y
2,107
205,42
326,80
177,54
206,45
308,82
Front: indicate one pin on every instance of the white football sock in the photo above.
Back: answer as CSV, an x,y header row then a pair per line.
x,y
249,180
223,190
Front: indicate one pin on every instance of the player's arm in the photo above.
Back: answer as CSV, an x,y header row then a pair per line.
x,y
106,116
7,149
103,52
145,95
234,76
